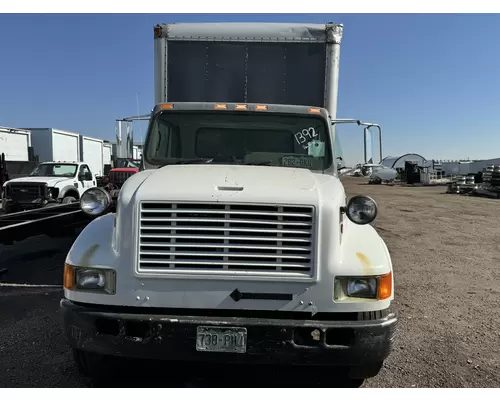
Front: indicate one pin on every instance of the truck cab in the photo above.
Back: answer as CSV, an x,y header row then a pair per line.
x,y
235,244
49,183
124,168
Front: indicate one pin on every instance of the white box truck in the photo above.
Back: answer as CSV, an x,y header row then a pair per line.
x,y
107,156
51,144
14,143
91,150
136,152
235,242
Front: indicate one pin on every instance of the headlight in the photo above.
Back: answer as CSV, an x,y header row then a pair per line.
x,y
361,210
95,201
89,279
364,287
53,192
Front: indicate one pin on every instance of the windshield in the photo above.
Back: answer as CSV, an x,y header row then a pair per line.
x,y
298,141
127,163
53,169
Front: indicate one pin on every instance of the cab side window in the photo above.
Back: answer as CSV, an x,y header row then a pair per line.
x,y
84,170
338,151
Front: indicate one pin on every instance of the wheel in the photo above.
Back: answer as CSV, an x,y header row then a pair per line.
x,y
365,371
68,199
94,366
344,377
353,382
60,232
10,208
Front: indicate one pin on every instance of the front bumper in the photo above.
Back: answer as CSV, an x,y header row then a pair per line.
x,y
14,203
9,202
130,332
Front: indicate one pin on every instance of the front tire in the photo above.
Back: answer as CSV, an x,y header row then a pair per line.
x,y
9,208
94,366
68,199
365,371
354,383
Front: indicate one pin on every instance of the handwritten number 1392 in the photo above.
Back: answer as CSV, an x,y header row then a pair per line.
x,y
303,135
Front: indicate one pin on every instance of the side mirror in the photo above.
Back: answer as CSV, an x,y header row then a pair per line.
x,y
87,176
340,163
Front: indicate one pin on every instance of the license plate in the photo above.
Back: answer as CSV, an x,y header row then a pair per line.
x,y
297,161
222,340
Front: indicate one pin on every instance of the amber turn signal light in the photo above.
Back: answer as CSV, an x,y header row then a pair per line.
x,y
385,286
69,278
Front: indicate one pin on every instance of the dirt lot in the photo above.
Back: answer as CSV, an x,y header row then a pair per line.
x,y
446,254
446,257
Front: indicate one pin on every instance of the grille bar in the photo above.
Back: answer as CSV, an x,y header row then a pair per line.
x,y
223,220
224,212
219,238
148,228
215,254
230,246
209,263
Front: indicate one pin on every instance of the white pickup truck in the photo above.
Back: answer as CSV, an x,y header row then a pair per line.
x,y
49,183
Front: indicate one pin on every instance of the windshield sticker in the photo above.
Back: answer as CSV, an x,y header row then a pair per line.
x,y
304,136
316,148
297,161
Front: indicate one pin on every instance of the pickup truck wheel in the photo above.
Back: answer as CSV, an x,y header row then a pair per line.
x,y
94,366
9,209
68,199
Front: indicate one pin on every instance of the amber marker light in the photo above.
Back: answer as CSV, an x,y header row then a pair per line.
x,y
220,106
167,106
315,110
69,278
385,286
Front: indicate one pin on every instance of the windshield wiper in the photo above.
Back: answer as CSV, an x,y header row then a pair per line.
x,y
256,163
186,161
211,161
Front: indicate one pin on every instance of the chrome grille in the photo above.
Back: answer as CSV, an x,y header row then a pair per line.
x,y
119,178
26,192
226,238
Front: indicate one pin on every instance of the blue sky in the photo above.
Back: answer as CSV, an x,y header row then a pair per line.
x,y
431,81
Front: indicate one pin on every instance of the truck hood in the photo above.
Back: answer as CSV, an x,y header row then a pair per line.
x,y
235,183
50,181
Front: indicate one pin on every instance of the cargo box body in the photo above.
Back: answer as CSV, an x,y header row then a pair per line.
x,y
277,63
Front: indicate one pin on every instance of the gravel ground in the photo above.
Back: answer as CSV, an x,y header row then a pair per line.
x,y
445,254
